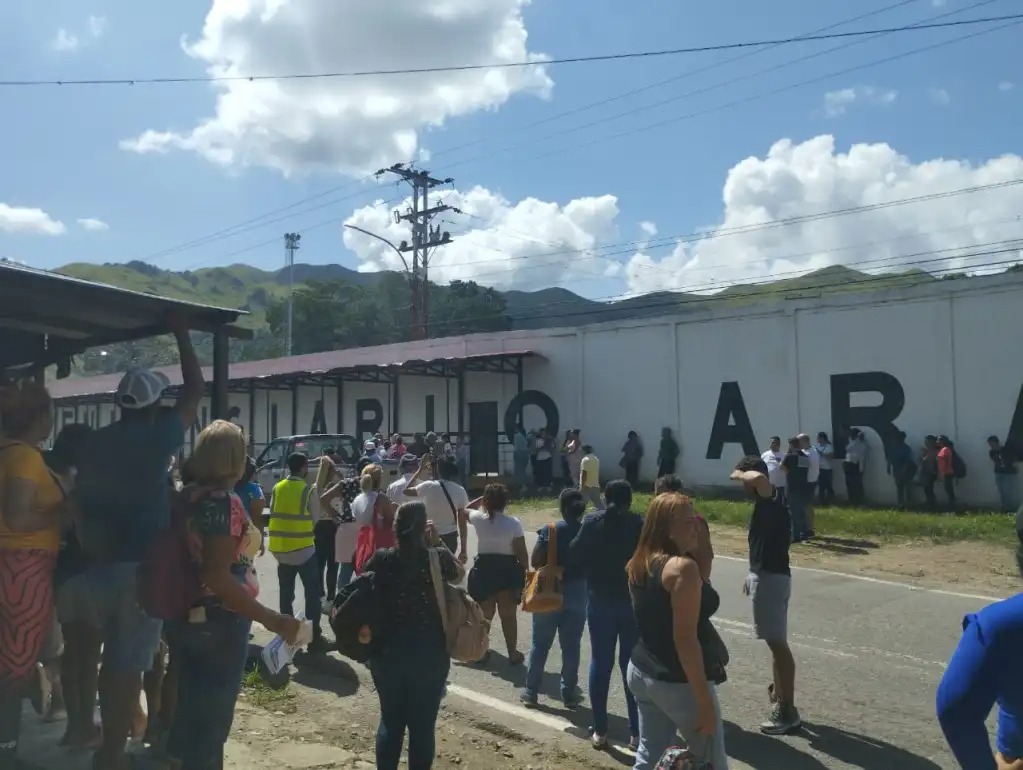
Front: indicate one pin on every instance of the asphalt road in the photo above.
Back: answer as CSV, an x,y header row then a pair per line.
x,y
869,656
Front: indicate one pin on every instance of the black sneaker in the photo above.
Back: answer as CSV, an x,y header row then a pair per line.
x,y
574,699
318,645
782,720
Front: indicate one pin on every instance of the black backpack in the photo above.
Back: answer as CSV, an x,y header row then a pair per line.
x,y
958,466
356,607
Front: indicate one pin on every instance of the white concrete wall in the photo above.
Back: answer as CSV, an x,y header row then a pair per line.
x,y
953,350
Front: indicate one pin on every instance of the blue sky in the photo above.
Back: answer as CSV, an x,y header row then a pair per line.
x,y
61,148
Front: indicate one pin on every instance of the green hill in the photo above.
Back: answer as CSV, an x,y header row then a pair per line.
x,y
381,297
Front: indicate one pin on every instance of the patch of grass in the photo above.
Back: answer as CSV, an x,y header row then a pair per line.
x,y
879,524
259,693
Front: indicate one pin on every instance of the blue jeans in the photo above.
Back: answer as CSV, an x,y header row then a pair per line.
x,y
1006,483
567,624
210,661
312,583
409,674
344,574
611,623
667,707
797,508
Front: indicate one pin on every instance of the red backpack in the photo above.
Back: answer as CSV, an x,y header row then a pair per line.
x,y
376,535
168,575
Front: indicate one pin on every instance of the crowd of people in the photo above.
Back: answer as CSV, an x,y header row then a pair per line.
x,y
118,579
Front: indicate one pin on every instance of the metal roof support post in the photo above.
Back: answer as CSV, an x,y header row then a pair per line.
x,y
396,395
221,356
294,408
252,417
339,383
461,402
519,385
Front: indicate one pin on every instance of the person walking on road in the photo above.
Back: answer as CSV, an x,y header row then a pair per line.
x,y
589,477
985,669
293,544
769,585
679,657
566,623
605,543
409,661
498,575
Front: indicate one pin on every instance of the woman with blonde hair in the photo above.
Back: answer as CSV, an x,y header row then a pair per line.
x,y
32,508
678,659
209,646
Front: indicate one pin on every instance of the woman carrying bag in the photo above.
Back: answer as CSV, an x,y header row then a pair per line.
x,y
568,620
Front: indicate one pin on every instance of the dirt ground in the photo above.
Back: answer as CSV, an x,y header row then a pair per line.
x,y
330,716
330,721
969,567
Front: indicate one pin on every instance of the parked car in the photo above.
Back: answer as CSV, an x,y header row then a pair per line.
x,y
270,464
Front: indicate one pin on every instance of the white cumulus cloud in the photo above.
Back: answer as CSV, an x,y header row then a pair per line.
x,y
1005,86
530,244
93,225
939,96
66,40
797,180
17,219
349,124
838,102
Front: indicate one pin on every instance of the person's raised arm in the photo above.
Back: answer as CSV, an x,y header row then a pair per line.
x,y
966,695
218,554
681,579
417,477
757,480
192,382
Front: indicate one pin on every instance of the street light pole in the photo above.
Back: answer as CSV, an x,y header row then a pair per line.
x,y
290,247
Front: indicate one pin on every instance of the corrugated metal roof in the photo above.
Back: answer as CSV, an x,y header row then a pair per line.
x,y
382,357
45,316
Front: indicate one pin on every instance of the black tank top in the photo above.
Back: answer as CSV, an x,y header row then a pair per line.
x,y
655,653
770,532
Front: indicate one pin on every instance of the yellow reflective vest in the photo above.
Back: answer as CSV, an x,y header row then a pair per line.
x,y
291,522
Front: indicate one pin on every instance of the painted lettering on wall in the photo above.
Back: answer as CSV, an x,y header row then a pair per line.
x,y
731,424
319,423
369,416
531,398
880,418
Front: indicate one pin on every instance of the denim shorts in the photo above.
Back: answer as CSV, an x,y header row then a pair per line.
x,y
770,593
108,600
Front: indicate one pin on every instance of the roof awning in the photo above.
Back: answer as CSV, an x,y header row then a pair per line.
x,y
373,364
47,317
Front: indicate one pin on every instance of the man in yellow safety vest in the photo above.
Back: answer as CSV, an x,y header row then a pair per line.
x,y
293,545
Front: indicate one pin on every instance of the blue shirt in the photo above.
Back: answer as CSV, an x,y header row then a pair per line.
x,y
604,545
985,669
121,485
567,530
248,492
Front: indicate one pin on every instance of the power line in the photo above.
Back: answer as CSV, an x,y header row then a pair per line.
x,y
507,65
255,222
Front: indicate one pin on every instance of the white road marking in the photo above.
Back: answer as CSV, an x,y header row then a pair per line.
x,y
879,581
520,712
834,648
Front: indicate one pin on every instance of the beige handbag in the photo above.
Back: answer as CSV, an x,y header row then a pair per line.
x,y
544,586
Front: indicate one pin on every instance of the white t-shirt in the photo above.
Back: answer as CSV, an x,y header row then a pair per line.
x,y
347,536
775,469
438,510
495,534
396,490
823,447
813,470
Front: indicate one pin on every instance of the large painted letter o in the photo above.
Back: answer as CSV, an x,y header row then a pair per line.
x,y
531,398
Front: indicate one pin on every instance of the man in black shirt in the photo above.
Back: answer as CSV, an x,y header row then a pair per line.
x,y
769,585
1004,460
